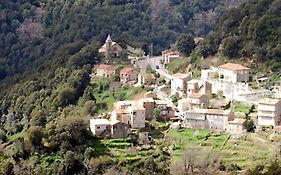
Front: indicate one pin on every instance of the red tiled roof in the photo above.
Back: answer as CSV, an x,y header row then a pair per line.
x,y
238,121
104,66
218,111
195,95
126,70
171,52
232,66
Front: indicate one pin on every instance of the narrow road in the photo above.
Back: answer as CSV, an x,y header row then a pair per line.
x,y
153,62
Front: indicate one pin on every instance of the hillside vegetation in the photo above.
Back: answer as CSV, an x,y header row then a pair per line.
x,y
252,30
34,31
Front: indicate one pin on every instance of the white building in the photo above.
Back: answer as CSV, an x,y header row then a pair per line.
x,y
198,101
233,73
133,115
170,55
236,126
179,84
269,112
98,126
209,74
213,119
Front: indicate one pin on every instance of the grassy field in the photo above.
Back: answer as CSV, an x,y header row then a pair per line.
x,y
177,65
242,152
107,92
240,107
189,138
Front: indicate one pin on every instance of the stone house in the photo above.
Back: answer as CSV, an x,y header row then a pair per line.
x,y
119,129
200,87
218,119
163,106
179,84
105,70
269,112
236,126
212,119
170,55
146,79
134,116
108,129
111,49
198,101
183,104
128,75
149,105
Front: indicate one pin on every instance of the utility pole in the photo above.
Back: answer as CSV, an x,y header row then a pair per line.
x,y
151,50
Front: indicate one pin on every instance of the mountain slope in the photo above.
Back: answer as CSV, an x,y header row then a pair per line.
x,y
252,30
33,31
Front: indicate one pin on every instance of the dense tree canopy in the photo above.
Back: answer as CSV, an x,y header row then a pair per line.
x,y
252,30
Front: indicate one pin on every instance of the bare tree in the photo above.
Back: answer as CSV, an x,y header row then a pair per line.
x,y
30,30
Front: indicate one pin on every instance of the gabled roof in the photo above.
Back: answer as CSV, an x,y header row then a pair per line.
x,y
195,95
100,122
232,66
210,111
171,52
104,66
237,121
108,39
181,76
136,107
126,70
218,111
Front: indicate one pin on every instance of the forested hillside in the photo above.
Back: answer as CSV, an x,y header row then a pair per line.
x,y
250,31
33,31
47,50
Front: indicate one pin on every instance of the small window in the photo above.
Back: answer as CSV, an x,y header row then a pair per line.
x,y
98,127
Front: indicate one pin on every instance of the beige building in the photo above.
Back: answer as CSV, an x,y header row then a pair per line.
x,y
183,104
105,70
110,129
149,105
200,87
170,55
198,101
213,119
236,126
179,84
134,116
163,106
111,49
146,79
269,112
128,75
233,73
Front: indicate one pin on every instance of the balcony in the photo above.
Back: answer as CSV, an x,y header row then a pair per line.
x,y
266,114
264,108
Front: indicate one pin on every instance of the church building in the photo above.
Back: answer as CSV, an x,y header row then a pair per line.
x,y
111,49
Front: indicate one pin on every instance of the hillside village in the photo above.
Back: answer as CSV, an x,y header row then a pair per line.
x,y
209,102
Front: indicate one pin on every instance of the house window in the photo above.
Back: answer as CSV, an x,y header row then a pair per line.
x,y
98,127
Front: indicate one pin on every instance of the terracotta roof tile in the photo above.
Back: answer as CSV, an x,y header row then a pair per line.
x,y
218,111
238,121
126,70
195,96
104,66
232,66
